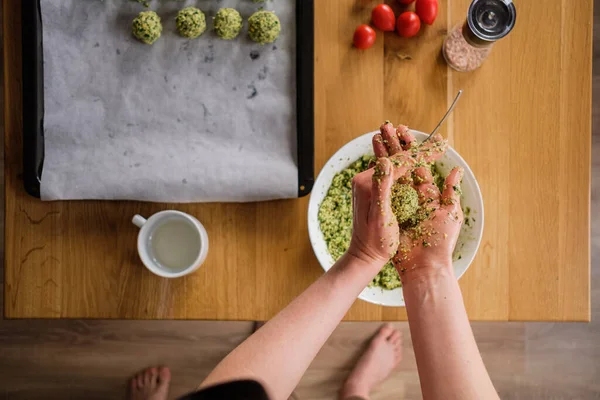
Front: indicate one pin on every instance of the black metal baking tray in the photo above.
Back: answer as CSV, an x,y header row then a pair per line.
x,y
33,95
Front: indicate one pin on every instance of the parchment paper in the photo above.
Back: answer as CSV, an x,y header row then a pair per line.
x,y
179,121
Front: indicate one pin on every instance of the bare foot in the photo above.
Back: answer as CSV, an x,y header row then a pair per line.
x,y
150,384
376,363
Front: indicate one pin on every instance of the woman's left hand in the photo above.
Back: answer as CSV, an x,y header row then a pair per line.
x,y
375,232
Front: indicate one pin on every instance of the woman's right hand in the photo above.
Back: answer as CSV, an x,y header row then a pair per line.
x,y
428,246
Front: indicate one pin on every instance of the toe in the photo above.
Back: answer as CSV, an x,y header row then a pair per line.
x,y
395,337
148,376
133,389
398,348
164,378
398,353
140,380
164,375
153,377
398,345
397,360
385,331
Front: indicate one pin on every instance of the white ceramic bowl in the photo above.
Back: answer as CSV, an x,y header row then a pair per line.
x,y
470,235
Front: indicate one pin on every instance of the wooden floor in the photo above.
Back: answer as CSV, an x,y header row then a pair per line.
x,y
91,359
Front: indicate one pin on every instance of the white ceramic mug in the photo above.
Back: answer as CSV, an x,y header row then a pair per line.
x,y
171,243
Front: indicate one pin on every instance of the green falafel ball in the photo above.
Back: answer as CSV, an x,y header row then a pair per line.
x,y
147,27
228,23
191,22
405,202
264,27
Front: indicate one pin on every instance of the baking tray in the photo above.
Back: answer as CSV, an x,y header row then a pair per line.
x,y
33,95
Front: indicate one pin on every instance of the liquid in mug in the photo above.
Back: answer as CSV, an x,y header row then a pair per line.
x,y
175,244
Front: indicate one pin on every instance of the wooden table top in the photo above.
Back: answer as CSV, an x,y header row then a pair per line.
x,y
523,125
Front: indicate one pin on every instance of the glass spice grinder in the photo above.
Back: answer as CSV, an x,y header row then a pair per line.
x,y
468,44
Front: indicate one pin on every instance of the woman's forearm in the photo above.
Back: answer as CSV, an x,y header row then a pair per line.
x,y
449,363
279,353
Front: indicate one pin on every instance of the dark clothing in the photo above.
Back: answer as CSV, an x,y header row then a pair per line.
x,y
238,390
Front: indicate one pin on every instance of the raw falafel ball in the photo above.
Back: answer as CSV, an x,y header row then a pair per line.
x,y
264,27
405,202
147,27
191,22
228,23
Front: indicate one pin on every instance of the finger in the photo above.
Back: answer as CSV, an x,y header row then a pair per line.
x,y
381,189
433,149
390,138
406,179
422,175
402,167
378,146
452,191
407,139
361,195
425,186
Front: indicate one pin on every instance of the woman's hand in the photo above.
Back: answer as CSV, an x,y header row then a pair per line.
x,y
375,233
428,245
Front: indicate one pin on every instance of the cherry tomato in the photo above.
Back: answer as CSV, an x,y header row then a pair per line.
x,y
408,24
405,2
364,37
383,17
427,10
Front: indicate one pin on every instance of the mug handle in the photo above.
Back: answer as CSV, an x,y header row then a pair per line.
x,y
138,220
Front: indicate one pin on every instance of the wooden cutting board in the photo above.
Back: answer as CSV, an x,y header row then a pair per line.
x,y
523,125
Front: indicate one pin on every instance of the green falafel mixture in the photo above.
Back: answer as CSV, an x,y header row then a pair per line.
x,y
264,27
191,22
147,27
228,23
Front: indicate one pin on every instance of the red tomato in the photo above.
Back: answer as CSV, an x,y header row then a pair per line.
x,y
408,24
405,1
383,17
427,10
364,37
